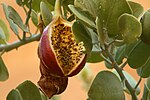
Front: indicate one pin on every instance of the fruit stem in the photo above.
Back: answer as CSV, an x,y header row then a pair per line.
x,y
57,10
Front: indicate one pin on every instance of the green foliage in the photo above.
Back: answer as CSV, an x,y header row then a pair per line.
x,y
82,16
107,11
14,95
46,13
113,31
129,27
106,86
4,29
82,35
140,50
29,91
13,26
4,75
130,79
137,9
145,37
16,18
34,18
146,94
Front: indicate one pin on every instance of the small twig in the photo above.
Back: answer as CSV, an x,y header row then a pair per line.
x,y
2,52
28,17
138,83
124,64
15,45
107,60
24,9
119,70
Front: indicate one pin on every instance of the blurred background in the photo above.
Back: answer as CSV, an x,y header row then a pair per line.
x,y
23,63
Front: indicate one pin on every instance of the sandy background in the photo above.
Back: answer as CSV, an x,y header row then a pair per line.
x,y
23,64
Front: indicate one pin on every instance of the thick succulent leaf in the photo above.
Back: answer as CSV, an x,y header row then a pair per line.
x,y
14,95
4,75
16,18
139,55
100,31
145,37
120,54
94,56
13,26
87,5
144,71
129,27
106,86
136,8
36,5
82,34
34,17
5,29
146,92
82,16
108,12
130,79
19,2
2,37
130,47
46,13
29,91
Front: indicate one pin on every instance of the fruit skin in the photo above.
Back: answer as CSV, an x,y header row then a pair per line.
x,y
53,80
51,85
145,36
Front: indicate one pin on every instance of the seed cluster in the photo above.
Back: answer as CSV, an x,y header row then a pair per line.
x,y
68,52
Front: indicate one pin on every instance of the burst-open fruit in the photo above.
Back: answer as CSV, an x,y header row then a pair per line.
x,y
60,55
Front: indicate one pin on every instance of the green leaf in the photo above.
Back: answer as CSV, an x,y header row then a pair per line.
x,y
94,56
146,93
129,27
5,29
13,26
36,5
2,37
82,35
29,91
108,12
130,47
34,17
136,8
82,16
139,56
19,2
130,79
14,95
145,37
16,18
46,13
106,86
144,71
100,32
4,75
120,54
87,5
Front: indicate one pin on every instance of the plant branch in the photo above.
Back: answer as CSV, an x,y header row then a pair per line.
x,y
119,70
15,45
28,17
124,64
138,83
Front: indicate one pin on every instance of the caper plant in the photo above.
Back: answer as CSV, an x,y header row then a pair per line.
x,y
72,33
